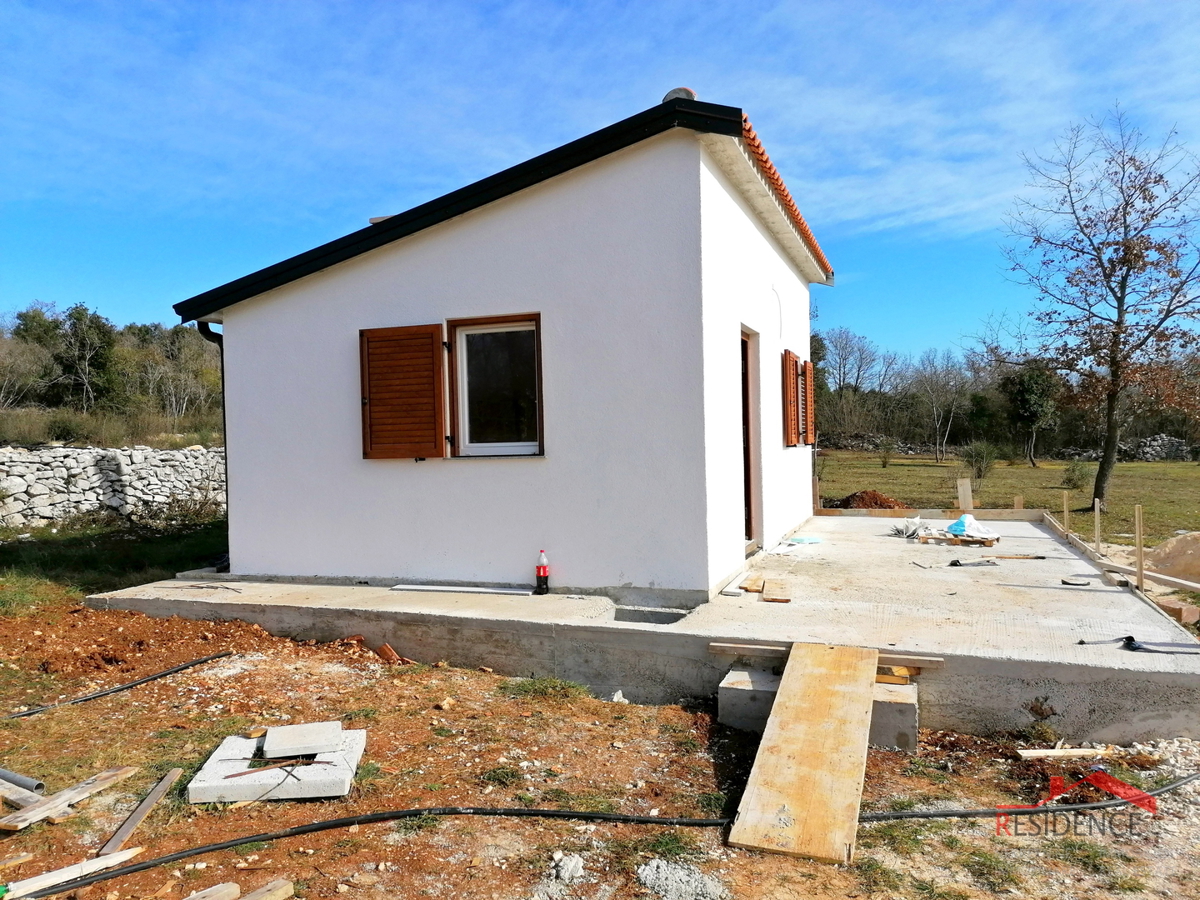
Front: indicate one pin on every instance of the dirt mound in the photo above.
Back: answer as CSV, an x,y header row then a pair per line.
x,y
869,500
1179,557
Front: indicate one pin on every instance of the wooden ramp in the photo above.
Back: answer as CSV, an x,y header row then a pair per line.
x,y
804,791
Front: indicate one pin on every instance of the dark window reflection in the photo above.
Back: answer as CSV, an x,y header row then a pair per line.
x,y
502,387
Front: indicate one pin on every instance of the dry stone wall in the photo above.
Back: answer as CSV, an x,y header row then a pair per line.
x,y
40,486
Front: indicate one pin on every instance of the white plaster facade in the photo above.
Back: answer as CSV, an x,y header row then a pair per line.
x,y
646,266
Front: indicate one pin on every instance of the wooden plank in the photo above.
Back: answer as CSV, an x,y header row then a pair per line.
x,y
57,804
804,792
749,649
69,873
753,584
1064,753
775,590
15,860
904,659
227,891
966,498
1001,515
17,796
122,834
892,679
279,889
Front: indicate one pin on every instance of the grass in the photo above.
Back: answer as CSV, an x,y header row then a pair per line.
x,y
418,824
1126,884
544,687
587,801
875,877
903,838
1086,855
1168,491
97,553
992,871
503,776
669,845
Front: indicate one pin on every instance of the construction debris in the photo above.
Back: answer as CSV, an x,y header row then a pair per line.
x,y
59,804
227,891
15,860
23,781
387,654
1065,753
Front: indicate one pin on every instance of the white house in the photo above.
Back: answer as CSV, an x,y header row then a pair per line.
x,y
599,353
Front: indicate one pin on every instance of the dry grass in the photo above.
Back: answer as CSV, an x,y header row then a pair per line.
x,y
1168,491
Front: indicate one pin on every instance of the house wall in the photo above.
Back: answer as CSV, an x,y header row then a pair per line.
x,y
748,285
609,255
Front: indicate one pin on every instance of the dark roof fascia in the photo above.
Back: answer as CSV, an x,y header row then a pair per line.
x,y
702,117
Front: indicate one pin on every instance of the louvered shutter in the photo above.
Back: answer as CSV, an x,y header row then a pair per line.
x,y
791,399
402,408
810,405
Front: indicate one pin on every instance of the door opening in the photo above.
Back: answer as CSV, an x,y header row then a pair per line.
x,y
747,481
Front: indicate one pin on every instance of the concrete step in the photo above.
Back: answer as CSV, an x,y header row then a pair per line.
x,y
746,694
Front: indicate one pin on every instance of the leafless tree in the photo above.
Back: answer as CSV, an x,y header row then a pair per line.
x,y
851,359
942,382
1107,240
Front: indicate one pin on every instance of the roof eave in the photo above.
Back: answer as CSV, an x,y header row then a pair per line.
x,y
704,118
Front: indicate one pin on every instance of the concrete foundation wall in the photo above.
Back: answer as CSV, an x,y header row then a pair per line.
x,y
653,664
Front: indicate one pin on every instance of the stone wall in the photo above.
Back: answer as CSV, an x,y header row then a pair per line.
x,y
40,486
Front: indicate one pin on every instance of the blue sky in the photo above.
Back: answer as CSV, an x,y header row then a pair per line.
x,y
152,150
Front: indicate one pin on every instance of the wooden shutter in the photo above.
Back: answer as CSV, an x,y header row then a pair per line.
x,y
402,407
791,399
810,404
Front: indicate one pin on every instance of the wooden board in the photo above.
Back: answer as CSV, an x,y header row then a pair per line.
x,y
15,860
892,679
781,651
18,796
228,891
955,540
804,791
59,804
753,584
279,889
897,670
122,834
69,873
775,590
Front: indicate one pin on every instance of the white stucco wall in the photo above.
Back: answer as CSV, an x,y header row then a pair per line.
x,y
749,285
609,254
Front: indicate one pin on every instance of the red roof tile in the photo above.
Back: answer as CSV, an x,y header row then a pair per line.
x,y
771,175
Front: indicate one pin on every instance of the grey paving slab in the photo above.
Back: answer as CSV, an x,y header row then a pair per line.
x,y
300,740
331,777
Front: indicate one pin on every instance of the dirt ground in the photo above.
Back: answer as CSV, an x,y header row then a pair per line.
x,y
501,743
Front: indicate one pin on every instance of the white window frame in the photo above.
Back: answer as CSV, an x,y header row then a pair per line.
x,y
466,447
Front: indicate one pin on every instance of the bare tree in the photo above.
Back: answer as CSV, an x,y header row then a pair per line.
x,y
851,359
1108,243
942,382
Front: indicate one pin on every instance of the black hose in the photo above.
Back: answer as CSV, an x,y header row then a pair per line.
x,y
390,815
366,820
119,687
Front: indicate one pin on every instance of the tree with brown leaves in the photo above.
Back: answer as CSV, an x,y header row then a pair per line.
x,y
1108,241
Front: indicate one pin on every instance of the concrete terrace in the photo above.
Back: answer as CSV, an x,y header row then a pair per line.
x,y
1009,633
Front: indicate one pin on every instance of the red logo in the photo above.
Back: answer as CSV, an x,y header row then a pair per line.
x,y
1100,779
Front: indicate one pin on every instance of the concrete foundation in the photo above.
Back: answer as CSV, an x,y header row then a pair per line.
x,y
895,717
1009,633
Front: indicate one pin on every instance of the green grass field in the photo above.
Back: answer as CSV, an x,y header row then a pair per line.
x,y
1168,491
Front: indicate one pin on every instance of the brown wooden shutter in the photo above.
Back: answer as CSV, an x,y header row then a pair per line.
x,y
810,405
402,407
791,399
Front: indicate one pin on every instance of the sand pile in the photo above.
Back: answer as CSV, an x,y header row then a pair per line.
x,y
1179,557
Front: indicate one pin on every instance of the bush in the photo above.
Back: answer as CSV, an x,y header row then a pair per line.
x,y
1076,474
980,457
887,449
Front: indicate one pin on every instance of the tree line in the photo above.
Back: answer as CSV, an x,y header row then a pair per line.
x,y
76,361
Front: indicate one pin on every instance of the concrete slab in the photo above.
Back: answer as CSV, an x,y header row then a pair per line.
x,y
282,741
1009,633
333,776
745,696
895,716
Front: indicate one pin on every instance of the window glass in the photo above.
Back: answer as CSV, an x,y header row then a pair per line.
x,y
501,389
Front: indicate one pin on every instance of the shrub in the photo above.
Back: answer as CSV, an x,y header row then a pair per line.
x,y
979,457
1076,474
545,687
887,449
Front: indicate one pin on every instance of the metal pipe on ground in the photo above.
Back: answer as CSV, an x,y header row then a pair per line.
x,y
23,781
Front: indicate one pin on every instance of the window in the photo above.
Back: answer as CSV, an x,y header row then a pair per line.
x,y
496,402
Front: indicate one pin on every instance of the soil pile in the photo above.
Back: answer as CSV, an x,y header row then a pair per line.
x,y
869,500
1178,557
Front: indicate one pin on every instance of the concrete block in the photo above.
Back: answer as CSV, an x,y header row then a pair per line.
x,y
894,716
227,891
1179,610
304,782
284,741
744,698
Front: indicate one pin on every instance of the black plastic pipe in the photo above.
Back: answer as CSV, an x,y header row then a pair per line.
x,y
390,815
119,687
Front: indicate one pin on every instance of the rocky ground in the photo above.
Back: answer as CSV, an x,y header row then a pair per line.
x,y
443,736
